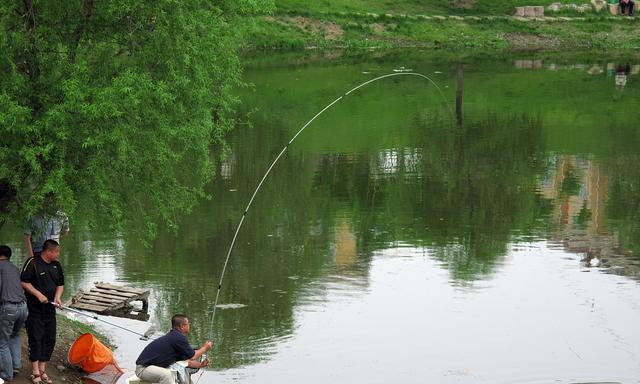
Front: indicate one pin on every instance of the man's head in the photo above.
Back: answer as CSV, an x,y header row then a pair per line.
x,y
50,251
180,323
5,251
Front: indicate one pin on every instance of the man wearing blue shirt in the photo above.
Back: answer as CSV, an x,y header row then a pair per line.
x,y
152,364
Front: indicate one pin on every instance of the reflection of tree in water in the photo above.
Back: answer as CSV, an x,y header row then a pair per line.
x,y
483,193
570,184
464,190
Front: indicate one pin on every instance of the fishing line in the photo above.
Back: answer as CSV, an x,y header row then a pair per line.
x,y
142,336
233,241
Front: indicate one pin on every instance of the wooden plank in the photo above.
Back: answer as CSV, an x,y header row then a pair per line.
x,y
121,294
89,307
106,307
115,293
137,291
110,306
109,299
107,302
108,296
98,298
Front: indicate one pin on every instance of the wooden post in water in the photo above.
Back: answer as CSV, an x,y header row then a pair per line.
x,y
459,86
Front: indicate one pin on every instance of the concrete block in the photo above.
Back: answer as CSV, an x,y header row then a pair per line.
x,y
598,5
529,11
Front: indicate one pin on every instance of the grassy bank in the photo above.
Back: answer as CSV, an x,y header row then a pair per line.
x,y
436,25
58,368
442,7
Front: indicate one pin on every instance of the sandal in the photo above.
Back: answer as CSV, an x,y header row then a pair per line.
x,y
45,378
35,378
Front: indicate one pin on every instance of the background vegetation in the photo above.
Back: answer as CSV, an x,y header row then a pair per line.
x,y
116,104
384,24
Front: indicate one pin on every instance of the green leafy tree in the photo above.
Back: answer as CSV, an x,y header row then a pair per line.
x,y
110,109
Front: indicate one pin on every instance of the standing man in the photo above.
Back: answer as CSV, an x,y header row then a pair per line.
x,y
13,313
45,227
152,364
43,281
626,7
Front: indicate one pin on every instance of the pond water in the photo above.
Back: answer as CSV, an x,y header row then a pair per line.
x,y
484,230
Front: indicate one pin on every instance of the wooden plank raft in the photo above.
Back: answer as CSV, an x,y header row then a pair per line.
x,y
114,300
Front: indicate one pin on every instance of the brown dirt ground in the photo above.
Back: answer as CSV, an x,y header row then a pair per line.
x,y
530,41
465,4
330,30
58,369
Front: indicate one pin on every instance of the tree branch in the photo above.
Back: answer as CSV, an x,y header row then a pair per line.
x,y
77,35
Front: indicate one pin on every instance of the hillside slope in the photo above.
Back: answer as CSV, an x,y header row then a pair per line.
x,y
453,24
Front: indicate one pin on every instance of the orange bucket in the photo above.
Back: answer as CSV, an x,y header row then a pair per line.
x,y
90,354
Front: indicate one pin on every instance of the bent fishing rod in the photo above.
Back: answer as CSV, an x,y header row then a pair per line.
x,y
244,215
142,336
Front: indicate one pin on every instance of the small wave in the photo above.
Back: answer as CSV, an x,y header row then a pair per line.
x,y
230,306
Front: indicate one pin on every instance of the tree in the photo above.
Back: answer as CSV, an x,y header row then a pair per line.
x,y
111,108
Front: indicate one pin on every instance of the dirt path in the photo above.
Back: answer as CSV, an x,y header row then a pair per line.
x,y
58,369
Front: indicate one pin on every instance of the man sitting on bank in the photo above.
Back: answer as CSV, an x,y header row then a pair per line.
x,y
152,364
626,6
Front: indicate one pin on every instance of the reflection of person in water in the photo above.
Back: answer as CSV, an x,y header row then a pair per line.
x,y
622,71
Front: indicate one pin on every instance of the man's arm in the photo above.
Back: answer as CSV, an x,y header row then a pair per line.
x,y
197,364
57,299
32,290
193,361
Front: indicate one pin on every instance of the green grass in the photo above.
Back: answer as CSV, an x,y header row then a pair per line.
x,y
294,32
481,7
389,24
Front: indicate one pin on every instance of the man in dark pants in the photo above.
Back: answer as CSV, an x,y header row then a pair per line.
x,y
13,313
43,281
152,364
626,6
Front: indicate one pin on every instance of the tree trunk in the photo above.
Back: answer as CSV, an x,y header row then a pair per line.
x,y
77,35
31,66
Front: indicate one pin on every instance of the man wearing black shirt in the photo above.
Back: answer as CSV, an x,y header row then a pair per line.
x,y
43,282
152,364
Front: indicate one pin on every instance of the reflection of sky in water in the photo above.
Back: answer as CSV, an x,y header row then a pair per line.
x,y
101,263
540,317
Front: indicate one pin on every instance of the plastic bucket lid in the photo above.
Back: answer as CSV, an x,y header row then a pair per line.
x,y
90,354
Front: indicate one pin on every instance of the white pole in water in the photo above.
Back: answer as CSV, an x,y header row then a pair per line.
x,y
233,241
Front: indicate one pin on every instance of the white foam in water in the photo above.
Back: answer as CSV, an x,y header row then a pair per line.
x,y
230,306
